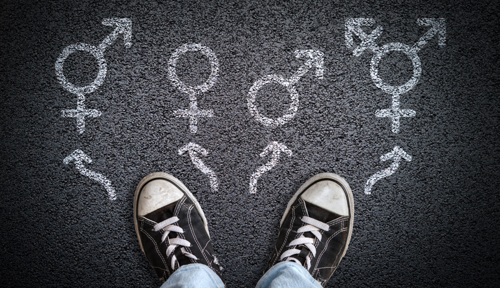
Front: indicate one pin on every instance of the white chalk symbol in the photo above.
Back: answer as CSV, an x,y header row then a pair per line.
x,y
396,154
78,157
314,60
194,150
276,148
123,26
193,113
353,26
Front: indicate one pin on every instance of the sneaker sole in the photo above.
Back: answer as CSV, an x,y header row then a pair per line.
x,y
346,189
175,181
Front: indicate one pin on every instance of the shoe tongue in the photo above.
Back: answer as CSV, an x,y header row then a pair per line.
x,y
320,214
162,213
183,260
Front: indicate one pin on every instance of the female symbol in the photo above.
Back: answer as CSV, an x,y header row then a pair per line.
x,y
193,113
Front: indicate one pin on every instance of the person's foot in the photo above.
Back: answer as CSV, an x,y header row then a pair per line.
x,y
317,226
171,226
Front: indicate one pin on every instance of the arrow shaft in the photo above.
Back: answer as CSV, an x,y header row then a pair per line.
x,y
261,170
380,175
300,72
205,170
110,39
96,177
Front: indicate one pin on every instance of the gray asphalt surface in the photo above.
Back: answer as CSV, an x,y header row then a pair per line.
x,y
432,223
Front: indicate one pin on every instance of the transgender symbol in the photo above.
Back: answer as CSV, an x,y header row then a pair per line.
x,y
123,26
353,25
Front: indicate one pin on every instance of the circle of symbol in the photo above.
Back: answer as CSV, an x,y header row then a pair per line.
x,y
417,68
294,105
94,51
214,65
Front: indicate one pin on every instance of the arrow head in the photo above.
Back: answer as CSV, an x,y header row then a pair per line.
x,y
397,153
353,25
438,25
77,156
276,148
123,26
315,59
193,148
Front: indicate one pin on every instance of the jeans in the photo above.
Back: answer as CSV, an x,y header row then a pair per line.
x,y
282,275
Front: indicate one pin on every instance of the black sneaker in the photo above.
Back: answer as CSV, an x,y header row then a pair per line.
x,y
171,226
317,226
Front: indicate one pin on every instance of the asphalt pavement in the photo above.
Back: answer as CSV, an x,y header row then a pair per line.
x,y
405,106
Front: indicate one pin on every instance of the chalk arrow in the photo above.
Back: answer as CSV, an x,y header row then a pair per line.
x,y
276,148
78,157
314,59
353,26
194,150
397,153
438,26
123,26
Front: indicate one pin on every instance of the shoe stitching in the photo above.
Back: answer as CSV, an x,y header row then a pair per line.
x,y
204,248
196,238
181,235
149,222
287,232
156,247
179,205
326,246
337,220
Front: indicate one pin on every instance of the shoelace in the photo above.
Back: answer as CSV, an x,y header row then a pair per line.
x,y
314,226
167,227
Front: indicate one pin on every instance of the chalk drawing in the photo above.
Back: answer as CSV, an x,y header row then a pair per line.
x,y
276,148
193,113
314,59
193,151
78,157
397,153
123,26
354,26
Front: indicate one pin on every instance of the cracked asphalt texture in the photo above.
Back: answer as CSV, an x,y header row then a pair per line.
x,y
432,223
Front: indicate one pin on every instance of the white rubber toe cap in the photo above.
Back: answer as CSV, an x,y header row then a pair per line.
x,y
156,194
329,196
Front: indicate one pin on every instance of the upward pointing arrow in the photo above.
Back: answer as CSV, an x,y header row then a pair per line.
x,y
397,153
78,157
276,148
123,26
194,150
438,26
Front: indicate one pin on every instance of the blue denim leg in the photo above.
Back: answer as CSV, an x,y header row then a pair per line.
x,y
193,276
287,275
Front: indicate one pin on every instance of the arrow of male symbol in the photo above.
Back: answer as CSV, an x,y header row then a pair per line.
x,y
397,153
123,26
193,150
314,60
78,157
276,148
